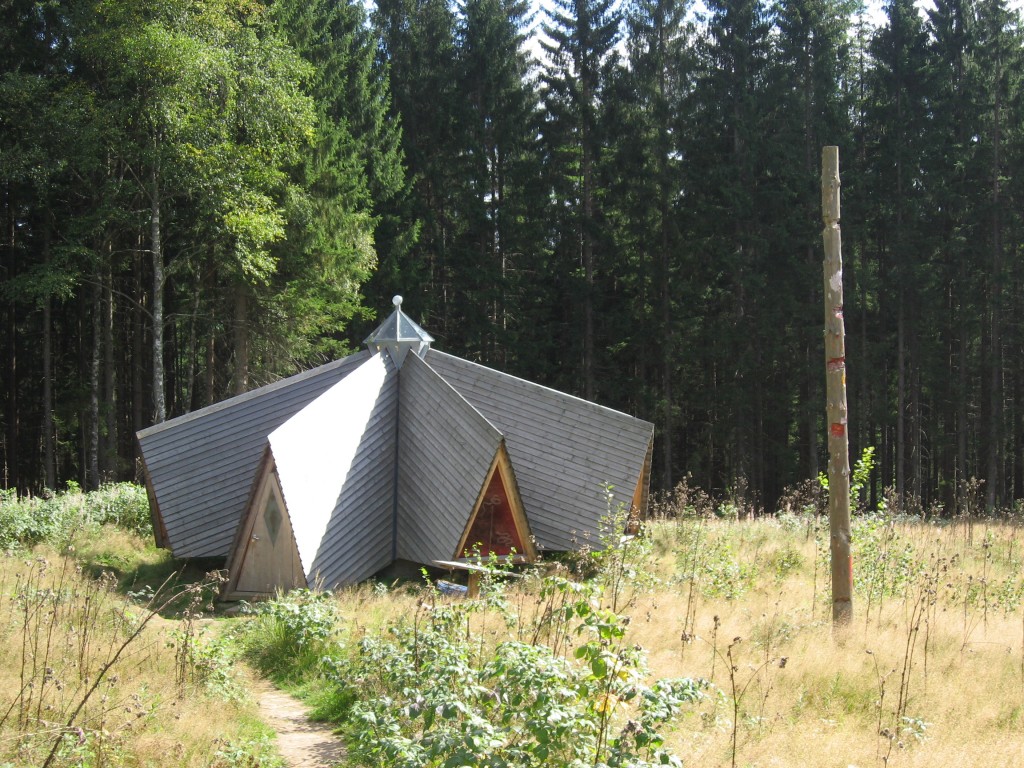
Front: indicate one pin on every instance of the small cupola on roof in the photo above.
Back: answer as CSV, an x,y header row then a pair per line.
x,y
398,334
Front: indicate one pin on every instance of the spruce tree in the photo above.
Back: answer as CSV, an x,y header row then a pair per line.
x,y
731,144
499,170
46,140
955,194
649,218
996,82
897,114
581,38
350,173
417,48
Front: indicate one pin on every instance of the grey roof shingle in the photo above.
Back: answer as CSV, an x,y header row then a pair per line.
x,y
565,450
201,465
445,450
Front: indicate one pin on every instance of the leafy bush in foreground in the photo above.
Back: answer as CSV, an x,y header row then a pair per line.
x,y
429,692
437,702
290,636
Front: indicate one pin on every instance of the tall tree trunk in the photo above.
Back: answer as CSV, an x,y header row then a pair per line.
x,y
667,355
49,438
93,420
11,477
916,418
811,406
901,323
864,403
810,381
159,397
209,372
192,353
138,346
82,351
993,479
901,400
241,339
108,437
1016,457
962,424
588,271
664,270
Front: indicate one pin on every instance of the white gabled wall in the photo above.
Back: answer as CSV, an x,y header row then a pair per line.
x,y
315,451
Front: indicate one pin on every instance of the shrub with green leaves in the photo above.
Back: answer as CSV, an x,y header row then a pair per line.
x,y
291,634
27,521
617,556
860,479
706,559
124,505
887,564
426,695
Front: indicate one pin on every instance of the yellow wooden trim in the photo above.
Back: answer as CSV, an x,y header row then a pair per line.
x,y
643,484
508,479
476,508
236,555
156,517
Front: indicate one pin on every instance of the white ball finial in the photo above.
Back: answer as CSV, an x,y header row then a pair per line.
x,y
397,301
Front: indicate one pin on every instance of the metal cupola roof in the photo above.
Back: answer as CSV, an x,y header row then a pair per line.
x,y
398,334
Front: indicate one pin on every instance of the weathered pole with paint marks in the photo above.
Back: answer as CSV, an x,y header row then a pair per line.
x,y
835,393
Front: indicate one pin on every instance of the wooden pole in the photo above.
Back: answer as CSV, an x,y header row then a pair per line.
x,y
835,392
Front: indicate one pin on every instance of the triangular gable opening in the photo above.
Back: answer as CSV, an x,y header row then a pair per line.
x,y
265,558
498,526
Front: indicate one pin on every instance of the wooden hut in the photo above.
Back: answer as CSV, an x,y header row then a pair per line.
x,y
330,476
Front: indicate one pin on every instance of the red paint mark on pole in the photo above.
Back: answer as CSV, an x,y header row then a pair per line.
x,y
838,430
836,364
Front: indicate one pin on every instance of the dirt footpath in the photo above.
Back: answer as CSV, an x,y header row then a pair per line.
x,y
302,742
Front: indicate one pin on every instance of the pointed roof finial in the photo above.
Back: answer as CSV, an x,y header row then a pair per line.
x,y
398,334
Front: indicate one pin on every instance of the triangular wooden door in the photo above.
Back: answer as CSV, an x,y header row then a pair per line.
x,y
270,560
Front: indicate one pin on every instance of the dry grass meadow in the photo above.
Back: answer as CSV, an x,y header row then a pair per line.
x,y
93,674
929,673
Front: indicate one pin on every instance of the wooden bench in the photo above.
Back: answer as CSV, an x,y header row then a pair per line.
x,y
475,571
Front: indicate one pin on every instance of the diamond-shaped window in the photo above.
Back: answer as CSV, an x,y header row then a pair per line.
x,y
272,518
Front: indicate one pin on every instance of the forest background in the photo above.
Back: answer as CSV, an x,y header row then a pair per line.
x,y
201,196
